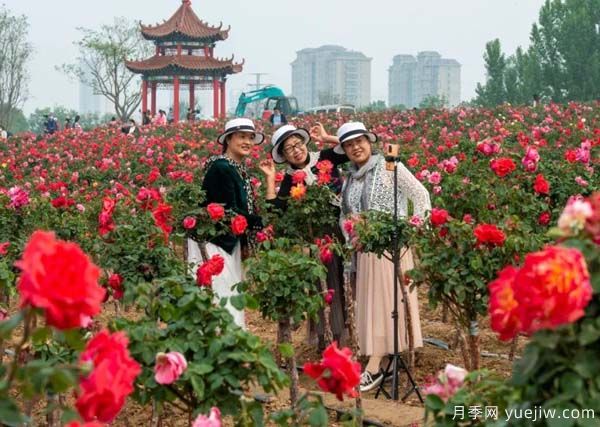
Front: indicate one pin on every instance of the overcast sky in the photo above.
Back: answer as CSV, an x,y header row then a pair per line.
x,y
267,33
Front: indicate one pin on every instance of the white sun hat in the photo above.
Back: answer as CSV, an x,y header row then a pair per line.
x,y
352,130
283,133
241,125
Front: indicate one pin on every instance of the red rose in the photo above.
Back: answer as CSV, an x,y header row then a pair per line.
x,y
162,219
326,255
213,267
505,318
215,211
571,156
78,424
323,178
439,217
467,218
115,281
103,391
4,248
239,224
489,234
329,296
217,264
541,186
502,166
336,373
59,278
544,218
551,289
299,177
325,166
189,222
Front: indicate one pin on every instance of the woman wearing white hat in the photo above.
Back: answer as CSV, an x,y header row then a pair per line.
x,y
289,147
370,187
227,182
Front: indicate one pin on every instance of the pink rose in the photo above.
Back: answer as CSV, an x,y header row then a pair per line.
x,y
169,367
213,420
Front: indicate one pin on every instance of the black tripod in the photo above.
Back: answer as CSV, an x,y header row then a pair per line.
x,y
396,362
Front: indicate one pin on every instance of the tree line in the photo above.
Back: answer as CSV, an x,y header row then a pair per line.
x,y
561,64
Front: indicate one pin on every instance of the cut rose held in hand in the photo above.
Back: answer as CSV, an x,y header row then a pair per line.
x,y
59,278
552,288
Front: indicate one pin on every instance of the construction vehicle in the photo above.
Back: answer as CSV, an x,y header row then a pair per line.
x,y
275,99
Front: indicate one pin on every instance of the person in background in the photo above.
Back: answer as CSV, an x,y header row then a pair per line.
x,y
76,124
536,101
277,119
3,134
68,124
170,116
161,118
191,115
147,118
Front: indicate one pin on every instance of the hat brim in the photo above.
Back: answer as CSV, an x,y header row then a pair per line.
x,y
258,136
370,136
302,133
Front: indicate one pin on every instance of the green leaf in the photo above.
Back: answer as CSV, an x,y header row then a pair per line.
x,y
238,301
318,417
10,414
434,402
7,326
286,350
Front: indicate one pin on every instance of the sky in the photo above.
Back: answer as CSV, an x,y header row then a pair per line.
x,y
268,33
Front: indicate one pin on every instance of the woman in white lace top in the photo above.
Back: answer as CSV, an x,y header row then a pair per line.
x,y
370,186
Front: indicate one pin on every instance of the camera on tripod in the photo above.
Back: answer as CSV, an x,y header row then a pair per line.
x,y
392,155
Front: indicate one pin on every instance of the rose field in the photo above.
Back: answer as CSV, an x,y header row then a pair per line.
x,y
103,323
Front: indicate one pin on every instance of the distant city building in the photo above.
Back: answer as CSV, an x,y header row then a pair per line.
x,y
411,80
90,102
331,75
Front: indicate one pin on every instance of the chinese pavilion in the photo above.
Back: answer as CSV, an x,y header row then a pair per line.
x,y
184,56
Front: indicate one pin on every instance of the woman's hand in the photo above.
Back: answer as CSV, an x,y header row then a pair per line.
x,y
318,132
267,167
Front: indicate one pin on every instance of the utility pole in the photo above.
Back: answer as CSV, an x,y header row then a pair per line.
x,y
257,85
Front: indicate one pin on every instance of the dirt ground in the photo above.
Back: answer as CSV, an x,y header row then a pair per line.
x,y
429,360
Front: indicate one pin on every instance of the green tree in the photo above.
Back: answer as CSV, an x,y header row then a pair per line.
x,y
101,63
15,52
494,90
374,106
561,63
434,101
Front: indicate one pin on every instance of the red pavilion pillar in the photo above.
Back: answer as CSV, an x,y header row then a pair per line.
x,y
215,98
223,111
153,98
144,96
176,99
192,97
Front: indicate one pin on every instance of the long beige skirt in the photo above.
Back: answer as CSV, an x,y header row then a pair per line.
x,y
375,303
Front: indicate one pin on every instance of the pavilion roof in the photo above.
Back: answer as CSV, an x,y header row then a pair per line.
x,y
185,24
184,64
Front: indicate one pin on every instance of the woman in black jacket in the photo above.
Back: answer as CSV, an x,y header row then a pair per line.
x,y
289,147
227,182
